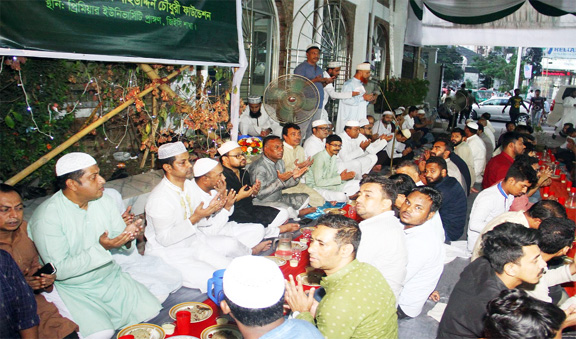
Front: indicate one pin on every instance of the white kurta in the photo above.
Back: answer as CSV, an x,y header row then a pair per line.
x,y
454,171
197,250
353,157
408,122
463,151
253,127
383,246
353,108
399,147
330,92
314,145
381,129
569,114
479,154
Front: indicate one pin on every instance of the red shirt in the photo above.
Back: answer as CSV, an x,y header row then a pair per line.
x,y
496,169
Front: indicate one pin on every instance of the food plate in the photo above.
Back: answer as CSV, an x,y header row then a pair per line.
x,y
278,261
305,280
199,311
221,332
298,244
334,211
143,331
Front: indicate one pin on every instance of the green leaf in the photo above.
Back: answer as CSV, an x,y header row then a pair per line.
x,y
9,122
17,116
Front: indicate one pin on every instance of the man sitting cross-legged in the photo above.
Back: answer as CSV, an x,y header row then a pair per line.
x,y
358,301
188,221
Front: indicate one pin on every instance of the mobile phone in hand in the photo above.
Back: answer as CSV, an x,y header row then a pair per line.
x,y
46,269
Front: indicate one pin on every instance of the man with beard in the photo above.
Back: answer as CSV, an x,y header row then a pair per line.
x,y
384,127
453,209
353,154
477,148
443,148
463,150
332,72
355,107
237,179
316,142
310,70
497,199
255,121
511,257
271,171
425,245
512,146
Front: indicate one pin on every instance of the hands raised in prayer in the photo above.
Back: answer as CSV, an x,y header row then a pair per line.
x,y
256,187
306,163
386,137
364,144
297,299
284,176
215,205
298,172
345,175
230,199
245,192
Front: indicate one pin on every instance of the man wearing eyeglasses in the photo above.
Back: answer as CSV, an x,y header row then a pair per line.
x,y
324,176
317,141
233,161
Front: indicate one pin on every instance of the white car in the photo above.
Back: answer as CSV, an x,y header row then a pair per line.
x,y
494,107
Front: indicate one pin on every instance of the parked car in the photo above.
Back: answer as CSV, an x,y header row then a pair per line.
x,y
557,106
481,95
494,107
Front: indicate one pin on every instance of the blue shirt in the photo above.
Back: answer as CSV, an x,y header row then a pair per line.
x,y
294,329
17,303
310,72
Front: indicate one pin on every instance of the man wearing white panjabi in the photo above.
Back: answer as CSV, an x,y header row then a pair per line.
x,y
188,220
569,114
316,142
355,107
255,120
353,153
333,71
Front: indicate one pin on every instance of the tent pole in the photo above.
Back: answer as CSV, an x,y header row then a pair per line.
x,y
76,137
518,64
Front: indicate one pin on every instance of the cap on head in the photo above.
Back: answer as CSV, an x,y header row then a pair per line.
x,y
73,162
387,113
363,67
317,123
171,149
406,133
253,282
254,99
311,46
421,111
352,123
472,125
334,64
227,147
203,166
398,111
402,108
363,122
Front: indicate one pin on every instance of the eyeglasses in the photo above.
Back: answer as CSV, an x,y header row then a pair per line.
x,y
324,128
336,145
237,156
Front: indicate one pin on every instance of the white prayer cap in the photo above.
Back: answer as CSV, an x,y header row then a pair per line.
x,y
352,123
312,46
73,162
421,111
227,147
203,166
363,122
398,111
363,67
253,282
317,123
254,99
171,149
472,125
406,133
402,108
522,123
334,64
387,113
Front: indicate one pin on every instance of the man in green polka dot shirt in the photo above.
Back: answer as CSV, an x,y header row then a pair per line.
x,y
358,301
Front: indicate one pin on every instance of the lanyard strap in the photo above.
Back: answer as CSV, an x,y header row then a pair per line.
x,y
502,191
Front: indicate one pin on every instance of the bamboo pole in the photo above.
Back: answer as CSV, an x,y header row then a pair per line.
x,y
152,74
73,139
152,135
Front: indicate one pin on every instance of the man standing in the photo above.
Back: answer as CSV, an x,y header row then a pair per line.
x,y
74,230
369,311
462,149
424,234
255,120
511,257
383,243
353,153
477,148
14,240
536,107
237,179
332,72
515,102
325,177
310,70
512,145
295,157
316,143
355,107
271,171
497,199
453,209
254,295
569,113
188,221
